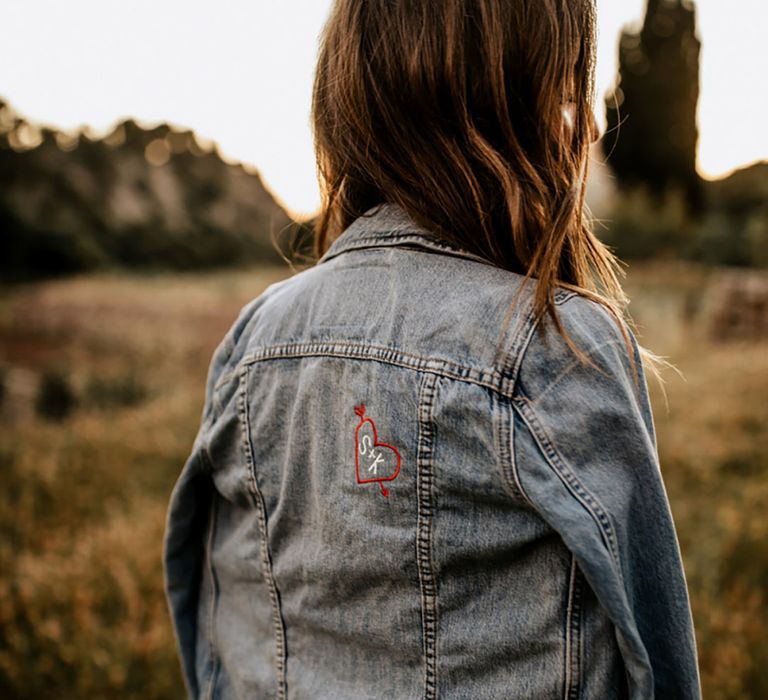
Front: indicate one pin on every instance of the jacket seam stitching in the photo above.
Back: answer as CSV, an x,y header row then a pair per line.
x,y
519,353
523,342
507,430
573,634
566,475
506,447
424,553
567,296
579,650
425,247
388,355
520,342
501,382
211,685
266,562
394,238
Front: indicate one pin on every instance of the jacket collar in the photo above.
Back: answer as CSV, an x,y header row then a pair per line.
x,y
389,225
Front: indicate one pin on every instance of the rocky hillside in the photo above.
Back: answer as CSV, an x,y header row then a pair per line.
x,y
149,198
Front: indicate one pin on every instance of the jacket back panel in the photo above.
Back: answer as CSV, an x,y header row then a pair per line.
x,y
353,503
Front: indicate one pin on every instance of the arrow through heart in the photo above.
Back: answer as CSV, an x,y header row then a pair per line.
x,y
375,462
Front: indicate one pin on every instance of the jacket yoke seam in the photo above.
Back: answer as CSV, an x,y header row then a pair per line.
x,y
489,378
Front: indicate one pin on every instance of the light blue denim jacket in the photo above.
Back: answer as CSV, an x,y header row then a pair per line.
x,y
397,492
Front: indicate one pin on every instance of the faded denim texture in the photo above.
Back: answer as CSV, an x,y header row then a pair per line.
x,y
394,493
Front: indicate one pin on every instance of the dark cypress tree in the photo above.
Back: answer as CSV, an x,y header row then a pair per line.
x,y
651,115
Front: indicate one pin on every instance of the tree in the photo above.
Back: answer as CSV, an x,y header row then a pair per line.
x,y
652,110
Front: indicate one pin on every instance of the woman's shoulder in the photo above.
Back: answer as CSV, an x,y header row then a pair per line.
x,y
606,342
591,321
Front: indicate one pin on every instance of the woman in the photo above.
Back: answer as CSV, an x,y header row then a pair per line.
x,y
427,465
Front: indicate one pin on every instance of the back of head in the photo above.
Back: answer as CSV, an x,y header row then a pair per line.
x,y
476,117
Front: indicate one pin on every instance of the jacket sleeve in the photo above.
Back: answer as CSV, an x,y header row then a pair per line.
x,y
585,457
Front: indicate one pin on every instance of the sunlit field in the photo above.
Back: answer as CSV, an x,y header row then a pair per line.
x,y
102,385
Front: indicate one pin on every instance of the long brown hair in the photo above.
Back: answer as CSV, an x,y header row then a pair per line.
x,y
454,111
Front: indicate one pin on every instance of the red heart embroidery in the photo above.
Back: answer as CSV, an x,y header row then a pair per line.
x,y
379,461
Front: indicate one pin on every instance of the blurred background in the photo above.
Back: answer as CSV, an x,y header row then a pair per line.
x,y
156,173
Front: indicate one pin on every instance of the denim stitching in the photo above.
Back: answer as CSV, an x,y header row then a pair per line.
x,y
513,359
507,430
426,506
582,627
573,645
265,556
489,378
588,500
499,380
214,600
395,239
567,631
565,296
419,246
376,479
523,340
505,433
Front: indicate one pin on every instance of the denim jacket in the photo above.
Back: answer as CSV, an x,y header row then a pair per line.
x,y
399,490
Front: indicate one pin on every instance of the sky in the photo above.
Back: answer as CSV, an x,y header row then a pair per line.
x,y
240,73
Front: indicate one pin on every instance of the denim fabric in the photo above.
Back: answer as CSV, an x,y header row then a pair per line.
x,y
398,491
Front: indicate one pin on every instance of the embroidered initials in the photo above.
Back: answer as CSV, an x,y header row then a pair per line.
x,y
372,456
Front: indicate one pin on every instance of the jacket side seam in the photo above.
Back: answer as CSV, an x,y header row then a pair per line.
x,y
266,561
214,660
566,475
573,636
424,558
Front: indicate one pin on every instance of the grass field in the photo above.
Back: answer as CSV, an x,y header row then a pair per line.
x,y
124,358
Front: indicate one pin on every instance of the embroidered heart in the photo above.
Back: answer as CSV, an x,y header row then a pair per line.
x,y
375,462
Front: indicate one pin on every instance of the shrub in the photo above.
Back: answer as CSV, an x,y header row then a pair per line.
x,y
641,226
55,397
115,392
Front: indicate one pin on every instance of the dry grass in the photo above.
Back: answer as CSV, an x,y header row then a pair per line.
x,y
712,434
82,613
